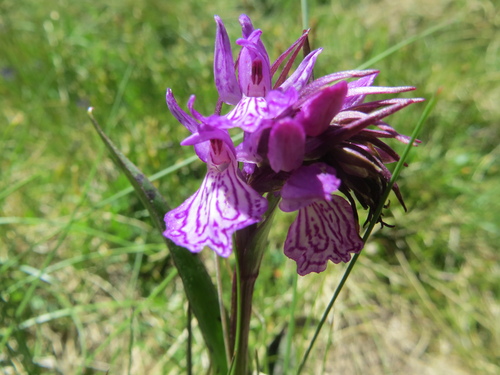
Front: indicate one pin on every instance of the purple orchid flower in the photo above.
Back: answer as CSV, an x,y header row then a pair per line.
x,y
223,204
304,141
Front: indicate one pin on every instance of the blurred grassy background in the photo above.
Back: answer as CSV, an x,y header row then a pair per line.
x,y
424,297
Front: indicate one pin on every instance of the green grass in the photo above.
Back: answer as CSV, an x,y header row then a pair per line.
x,y
86,284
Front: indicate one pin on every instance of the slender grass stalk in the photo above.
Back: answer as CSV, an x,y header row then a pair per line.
x,y
130,343
291,324
189,349
305,14
395,175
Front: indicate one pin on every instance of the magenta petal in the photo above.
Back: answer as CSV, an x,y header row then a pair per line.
x,y
315,182
224,72
223,204
323,231
179,114
286,145
317,113
247,30
246,25
254,69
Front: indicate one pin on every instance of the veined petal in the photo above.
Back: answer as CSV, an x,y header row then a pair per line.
x,y
308,184
223,204
286,145
280,103
248,113
323,231
224,72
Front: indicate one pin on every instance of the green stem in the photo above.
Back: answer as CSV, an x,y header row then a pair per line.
x,y
305,14
244,294
250,243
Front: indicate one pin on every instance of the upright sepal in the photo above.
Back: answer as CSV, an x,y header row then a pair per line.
x,y
225,75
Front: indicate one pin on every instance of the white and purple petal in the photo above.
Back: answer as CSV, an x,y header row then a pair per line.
x,y
222,205
248,113
321,232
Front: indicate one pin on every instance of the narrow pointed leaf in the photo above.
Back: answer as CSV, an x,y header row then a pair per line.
x,y
198,285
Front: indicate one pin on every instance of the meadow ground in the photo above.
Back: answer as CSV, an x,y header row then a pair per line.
x,y
424,296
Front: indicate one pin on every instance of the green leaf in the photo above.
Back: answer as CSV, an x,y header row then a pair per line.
x,y
198,285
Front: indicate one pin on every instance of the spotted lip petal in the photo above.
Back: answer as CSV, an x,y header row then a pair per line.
x,y
222,205
321,232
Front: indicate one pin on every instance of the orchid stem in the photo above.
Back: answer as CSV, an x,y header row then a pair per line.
x,y
239,356
225,331
395,175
